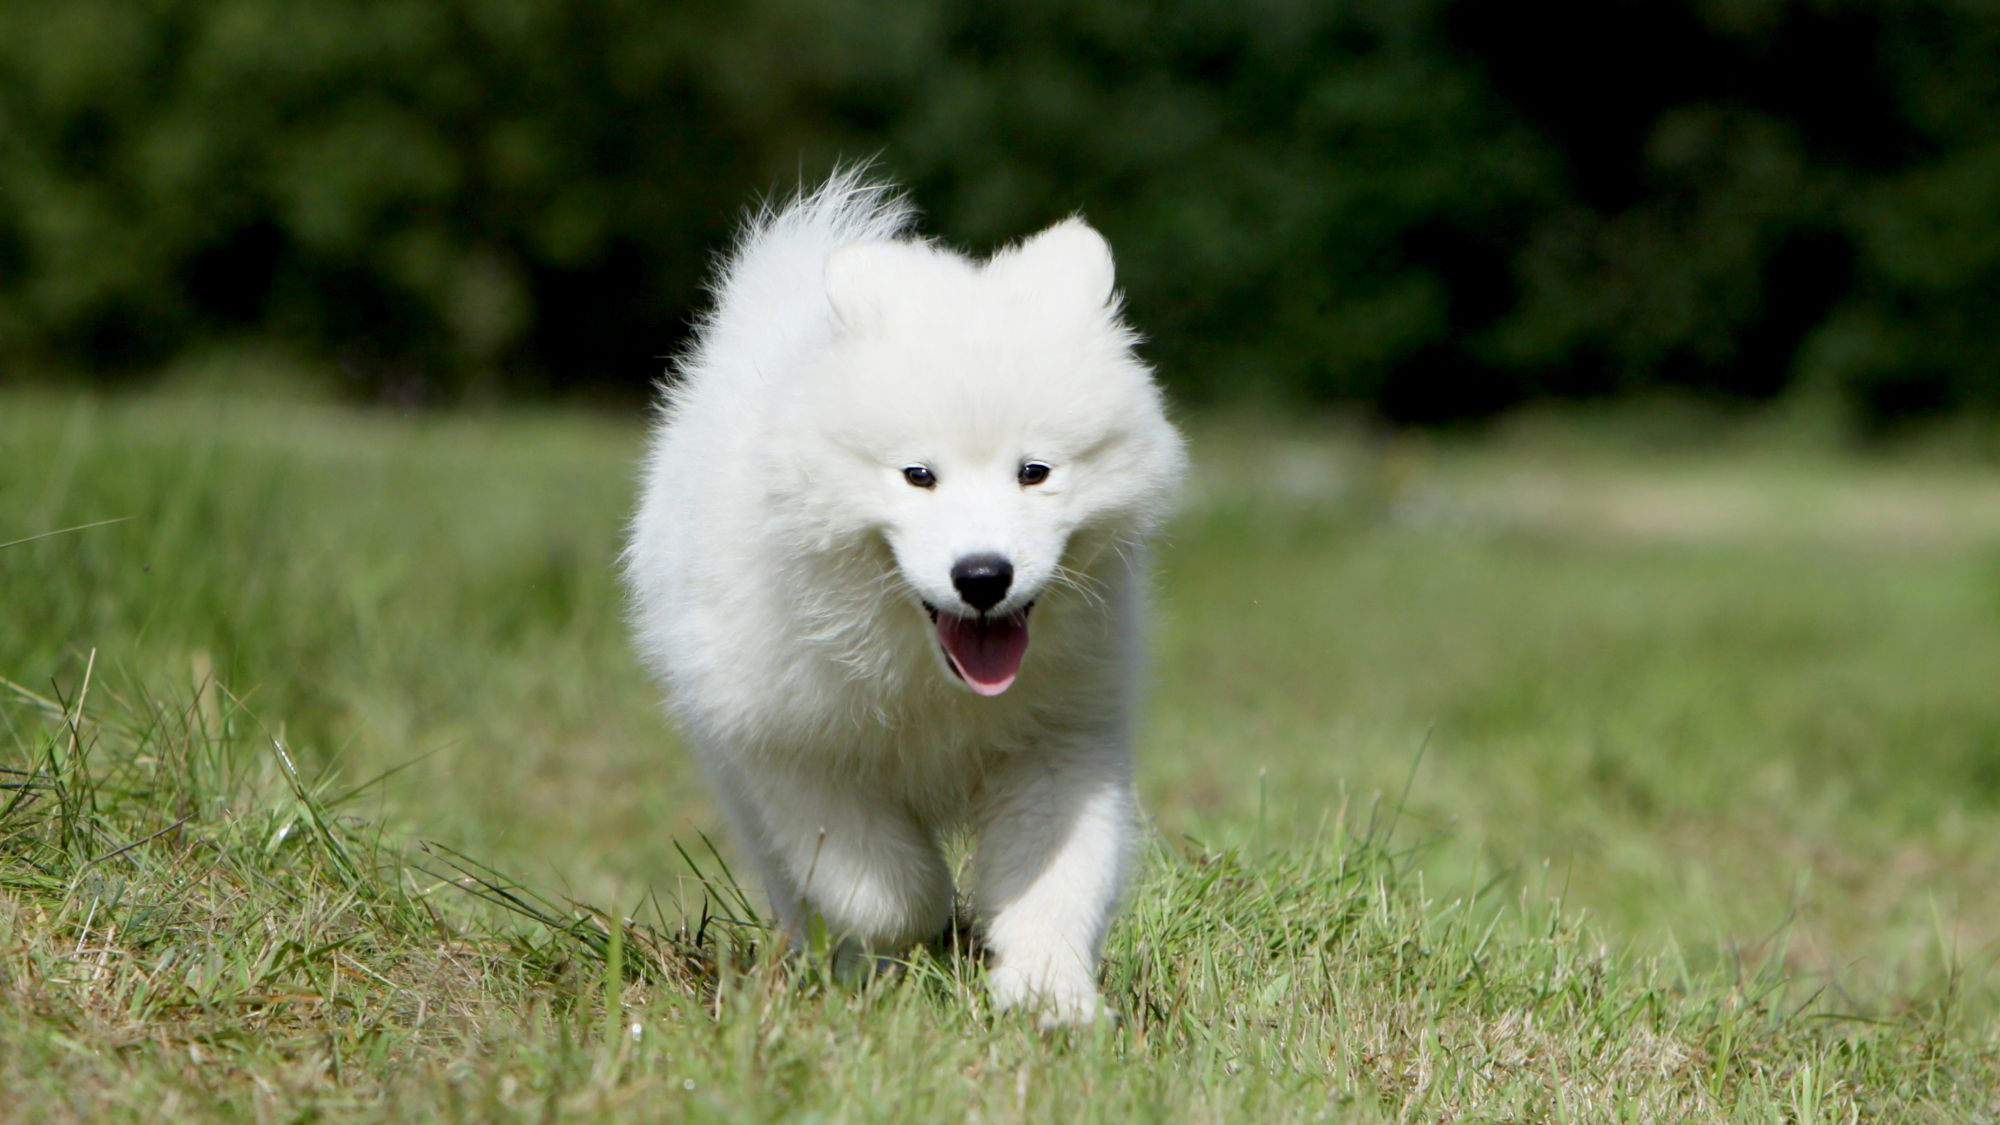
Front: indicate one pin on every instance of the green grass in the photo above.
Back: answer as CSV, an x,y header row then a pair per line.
x,y
1563,775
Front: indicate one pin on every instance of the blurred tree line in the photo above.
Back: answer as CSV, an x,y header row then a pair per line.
x,y
1434,208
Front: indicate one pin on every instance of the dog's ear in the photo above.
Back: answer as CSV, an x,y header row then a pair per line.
x,y
862,278
1068,263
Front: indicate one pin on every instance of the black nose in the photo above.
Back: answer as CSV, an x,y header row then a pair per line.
x,y
982,580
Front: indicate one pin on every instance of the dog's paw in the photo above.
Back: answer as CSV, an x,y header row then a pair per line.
x,y
1062,999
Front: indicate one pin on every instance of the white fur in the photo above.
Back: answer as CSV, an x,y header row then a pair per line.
x,y
780,563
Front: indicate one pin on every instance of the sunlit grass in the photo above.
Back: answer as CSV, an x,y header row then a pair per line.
x,y
1481,789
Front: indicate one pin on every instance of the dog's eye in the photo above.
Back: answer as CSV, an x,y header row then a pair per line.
x,y
920,477
1034,472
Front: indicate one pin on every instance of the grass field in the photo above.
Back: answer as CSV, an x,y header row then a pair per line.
x,y
1566,774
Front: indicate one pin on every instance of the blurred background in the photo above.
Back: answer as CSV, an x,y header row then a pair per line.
x,y
1423,210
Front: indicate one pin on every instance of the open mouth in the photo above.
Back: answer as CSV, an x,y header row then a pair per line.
x,y
983,651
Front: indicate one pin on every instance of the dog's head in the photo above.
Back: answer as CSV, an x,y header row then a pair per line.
x,y
990,422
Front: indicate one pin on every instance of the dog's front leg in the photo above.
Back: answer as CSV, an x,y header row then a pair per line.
x,y
1055,834
856,857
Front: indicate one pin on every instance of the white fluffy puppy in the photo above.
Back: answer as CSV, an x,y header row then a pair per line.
x,y
888,565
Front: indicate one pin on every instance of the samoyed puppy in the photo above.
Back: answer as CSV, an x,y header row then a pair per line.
x,y
888,564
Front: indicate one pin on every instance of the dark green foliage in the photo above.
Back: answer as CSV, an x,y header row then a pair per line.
x,y
1434,208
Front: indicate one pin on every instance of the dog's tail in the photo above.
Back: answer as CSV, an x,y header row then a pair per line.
x,y
770,292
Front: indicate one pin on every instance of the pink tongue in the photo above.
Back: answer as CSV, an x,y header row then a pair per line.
x,y
987,651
